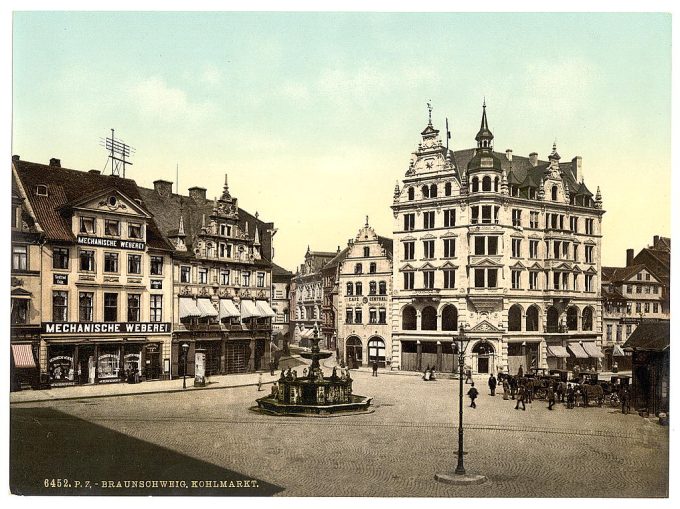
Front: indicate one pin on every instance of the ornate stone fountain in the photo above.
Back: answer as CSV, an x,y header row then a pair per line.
x,y
314,393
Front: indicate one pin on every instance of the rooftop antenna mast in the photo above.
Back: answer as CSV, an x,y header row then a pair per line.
x,y
119,154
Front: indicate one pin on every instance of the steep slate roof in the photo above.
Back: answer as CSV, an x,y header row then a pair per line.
x,y
386,244
521,173
279,274
620,274
337,259
66,187
650,336
167,211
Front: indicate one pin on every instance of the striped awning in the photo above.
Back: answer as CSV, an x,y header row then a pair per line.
x,y
188,308
618,351
228,309
592,350
23,356
557,351
249,309
577,350
264,309
206,308
307,333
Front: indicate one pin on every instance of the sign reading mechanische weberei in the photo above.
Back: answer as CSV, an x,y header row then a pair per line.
x,y
112,243
106,327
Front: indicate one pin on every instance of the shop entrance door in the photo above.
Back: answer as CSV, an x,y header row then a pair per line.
x,y
483,365
236,357
85,368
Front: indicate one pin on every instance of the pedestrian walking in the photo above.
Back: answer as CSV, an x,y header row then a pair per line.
x,y
551,397
625,400
492,384
468,376
513,387
520,398
570,396
375,368
259,381
529,392
473,393
560,392
506,389
520,371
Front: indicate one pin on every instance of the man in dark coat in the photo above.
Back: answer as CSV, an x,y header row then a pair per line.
x,y
473,393
492,384
551,397
570,396
520,398
375,368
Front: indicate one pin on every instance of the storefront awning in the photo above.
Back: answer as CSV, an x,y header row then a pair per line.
x,y
249,309
577,350
618,351
265,310
592,350
228,309
206,308
23,356
557,351
307,333
188,308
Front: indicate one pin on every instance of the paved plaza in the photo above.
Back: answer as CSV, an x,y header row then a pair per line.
x,y
394,451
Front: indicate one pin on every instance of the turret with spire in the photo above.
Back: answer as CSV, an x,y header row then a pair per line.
x,y
484,136
484,158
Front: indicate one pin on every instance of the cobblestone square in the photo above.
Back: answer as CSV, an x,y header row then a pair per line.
x,y
393,452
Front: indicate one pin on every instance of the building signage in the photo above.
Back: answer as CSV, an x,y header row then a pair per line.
x,y
106,328
629,320
112,243
60,279
156,284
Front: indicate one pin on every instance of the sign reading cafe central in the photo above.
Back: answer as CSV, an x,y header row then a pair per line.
x,y
113,243
106,327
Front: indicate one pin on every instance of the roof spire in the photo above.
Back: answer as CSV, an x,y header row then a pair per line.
x,y
180,231
367,221
225,189
484,136
257,236
429,112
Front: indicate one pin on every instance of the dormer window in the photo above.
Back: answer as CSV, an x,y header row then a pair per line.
x,y
111,228
447,189
411,194
135,231
554,193
41,190
223,230
87,225
112,201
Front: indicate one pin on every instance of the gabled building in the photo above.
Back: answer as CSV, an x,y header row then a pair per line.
x,y
631,295
281,305
306,295
105,293
507,247
222,279
364,300
329,311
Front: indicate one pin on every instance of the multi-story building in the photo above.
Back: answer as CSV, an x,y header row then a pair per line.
x,y
25,294
364,302
222,280
507,247
329,309
638,292
105,293
306,296
280,305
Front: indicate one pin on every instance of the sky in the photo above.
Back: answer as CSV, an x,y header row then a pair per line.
x,y
314,116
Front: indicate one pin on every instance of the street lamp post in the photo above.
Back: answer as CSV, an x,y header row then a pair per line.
x,y
185,349
460,476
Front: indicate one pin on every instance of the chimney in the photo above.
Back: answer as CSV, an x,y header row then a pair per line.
x,y
577,168
197,193
656,242
508,154
16,157
55,163
95,172
533,159
162,187
630,254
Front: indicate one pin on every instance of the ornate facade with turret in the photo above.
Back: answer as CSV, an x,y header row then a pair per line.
x,y
222,279
507,247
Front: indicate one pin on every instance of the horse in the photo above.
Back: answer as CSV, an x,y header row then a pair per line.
x,y
592,393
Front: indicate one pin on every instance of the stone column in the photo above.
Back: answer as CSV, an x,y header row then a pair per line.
x,y
419,355
439,355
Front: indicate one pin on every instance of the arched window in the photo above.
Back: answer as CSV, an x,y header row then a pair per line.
x,y
433,191
411,193
358,289
475,184
367,251
553,193
428,318
382,288
515,318
447,189
486,183
372,268
426,191
572,318
354,350
553,317
495,184
532,319
450,318
587,319
408,318
350,289
371,288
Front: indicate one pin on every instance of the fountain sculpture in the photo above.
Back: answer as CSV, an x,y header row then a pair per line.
x,y
313,393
